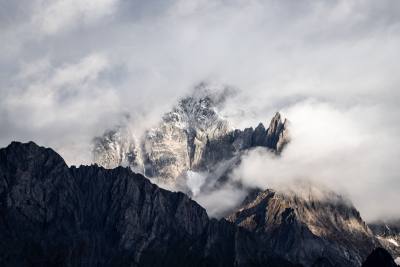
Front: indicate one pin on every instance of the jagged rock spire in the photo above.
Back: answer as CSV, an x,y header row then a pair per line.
x,y
277,133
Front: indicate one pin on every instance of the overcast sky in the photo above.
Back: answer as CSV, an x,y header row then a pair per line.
x,y
71,68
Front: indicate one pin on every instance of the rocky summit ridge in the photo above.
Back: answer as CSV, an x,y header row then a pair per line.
x,y
193,136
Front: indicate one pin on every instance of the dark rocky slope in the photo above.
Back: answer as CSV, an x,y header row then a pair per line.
x,y
52,215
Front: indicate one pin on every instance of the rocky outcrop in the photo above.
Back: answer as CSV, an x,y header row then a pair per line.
x,y
178,143
53,215
277,133
312,231
379,257
275,137
388,234
193,136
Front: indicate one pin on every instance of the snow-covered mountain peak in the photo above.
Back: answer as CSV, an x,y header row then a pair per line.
x,y
193,136
200,111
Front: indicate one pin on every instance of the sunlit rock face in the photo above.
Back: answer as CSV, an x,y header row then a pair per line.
x,y
178,143
311,230
193,136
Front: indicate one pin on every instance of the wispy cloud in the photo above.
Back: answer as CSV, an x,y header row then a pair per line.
x,y
349,151
69,101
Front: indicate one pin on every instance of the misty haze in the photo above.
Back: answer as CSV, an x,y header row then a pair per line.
x,y
200,133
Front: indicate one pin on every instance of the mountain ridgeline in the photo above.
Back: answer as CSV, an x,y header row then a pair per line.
x,y
111,214
53,215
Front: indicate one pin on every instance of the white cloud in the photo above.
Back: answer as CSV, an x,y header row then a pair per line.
x,y
55,15
219,202
339,149
67,101
194,181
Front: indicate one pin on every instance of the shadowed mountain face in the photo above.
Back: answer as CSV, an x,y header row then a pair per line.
x,y
52,215
315,232
193,137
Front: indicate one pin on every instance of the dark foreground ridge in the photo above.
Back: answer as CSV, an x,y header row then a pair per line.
x,y
53,215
